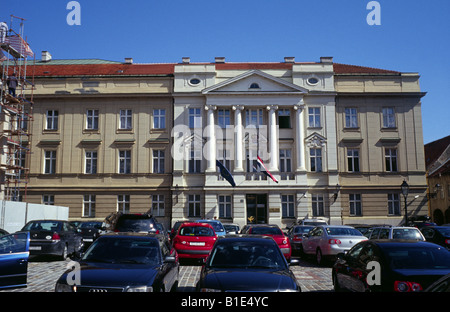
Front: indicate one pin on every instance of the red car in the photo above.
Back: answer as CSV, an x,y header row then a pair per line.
x,y
194,240
276,233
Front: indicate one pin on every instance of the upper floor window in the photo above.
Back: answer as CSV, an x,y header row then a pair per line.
x,y
90,162
285,160
92,119
353,160
351,118
389,117
158,161
49,162
284,118
124,161
52,120
314,117
254,117
315,155
125,122
159,118
390,155
195,118
223,118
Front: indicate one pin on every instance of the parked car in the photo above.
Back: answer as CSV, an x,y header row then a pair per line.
x,y
53,237
312,221
396,232
246,263
441,285
194,240
217,226
326,241
275,232
124,262
437,234
403,266
365,229
128,222
3,232
296,234
231,228
14,253
90,231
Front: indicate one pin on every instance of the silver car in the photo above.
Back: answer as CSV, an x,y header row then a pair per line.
x,y
396,232
329,240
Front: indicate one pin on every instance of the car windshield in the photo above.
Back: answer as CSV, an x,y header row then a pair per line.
x,y
413,257
53,226
124,250
135,225
247,254
406,234
302,229
343,231
266,230
87,225
196,231
218,227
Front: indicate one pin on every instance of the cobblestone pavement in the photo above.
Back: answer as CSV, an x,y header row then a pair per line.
x,y
42,276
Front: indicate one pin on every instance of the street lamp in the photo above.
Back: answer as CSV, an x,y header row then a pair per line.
x,y
405,191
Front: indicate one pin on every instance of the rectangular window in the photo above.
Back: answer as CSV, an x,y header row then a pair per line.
x,y
89,206
158,205
90,162
355,204
317,205
285,160
124,161
225,206
390,155
50,162
316,159
195,118
223,118
314,117
126,119
351,118
158,161
51,120
48,199
393,204
254,118
353,160
194,205
123,203
287,206
284,118
92,119
159,118
223,156
389,117
195,160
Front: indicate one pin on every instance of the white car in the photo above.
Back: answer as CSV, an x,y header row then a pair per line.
x,y
330,240
396,232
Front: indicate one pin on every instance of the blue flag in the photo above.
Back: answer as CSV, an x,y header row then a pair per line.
x,y
225,173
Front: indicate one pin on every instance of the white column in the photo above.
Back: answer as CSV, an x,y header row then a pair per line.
x,y
238,143
300,137
273,141
211,144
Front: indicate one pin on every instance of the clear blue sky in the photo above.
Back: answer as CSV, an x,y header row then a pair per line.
x,y
414,36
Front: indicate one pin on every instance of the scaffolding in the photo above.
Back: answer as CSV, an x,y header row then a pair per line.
x,y
15,112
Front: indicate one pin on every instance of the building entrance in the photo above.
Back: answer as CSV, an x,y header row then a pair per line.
x,y
256,208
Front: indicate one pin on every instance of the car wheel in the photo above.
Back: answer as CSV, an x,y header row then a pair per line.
x,y
319,257
336,286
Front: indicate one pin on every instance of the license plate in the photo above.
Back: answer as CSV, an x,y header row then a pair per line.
x,y
197,243
35,247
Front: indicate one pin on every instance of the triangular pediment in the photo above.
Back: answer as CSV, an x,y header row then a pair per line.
x,y
315,140
257,82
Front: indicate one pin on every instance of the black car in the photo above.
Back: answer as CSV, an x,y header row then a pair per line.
x,y
246,263
124,262
145,223
390,266
90,231
53,237
437,234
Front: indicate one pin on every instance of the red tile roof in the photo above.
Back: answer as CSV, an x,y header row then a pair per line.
x,y
353,69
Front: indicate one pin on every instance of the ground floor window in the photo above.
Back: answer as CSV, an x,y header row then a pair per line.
x,y
89,205
194,205
225,206
287,206
317,205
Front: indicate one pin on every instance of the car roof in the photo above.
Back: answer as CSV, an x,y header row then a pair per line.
x,y
134,234
204,224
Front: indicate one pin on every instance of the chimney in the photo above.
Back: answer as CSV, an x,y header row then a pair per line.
x,y
128,60
46,56
186,60
220,59
326,60
289,59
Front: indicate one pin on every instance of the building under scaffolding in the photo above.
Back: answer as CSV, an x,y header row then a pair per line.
x,y
16,98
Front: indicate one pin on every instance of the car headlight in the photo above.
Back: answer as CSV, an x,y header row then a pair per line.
x,y
63,288
140,289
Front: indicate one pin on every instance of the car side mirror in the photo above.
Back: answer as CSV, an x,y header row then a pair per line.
x,y
341,256
170,259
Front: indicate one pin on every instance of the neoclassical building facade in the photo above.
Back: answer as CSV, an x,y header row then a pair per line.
x,y
338,141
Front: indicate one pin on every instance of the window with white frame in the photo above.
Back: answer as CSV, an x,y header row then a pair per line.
x,y
158,161
315,159
50,162
159,118
287,206
389,117
351,117
89,205
223,118
124,161
158,205
195,160
224,157
48,199
314,117
393,204
355,204
195,118
123,203
254,117
90,162
225,206
317,205
285,160
51,120
126,119
92,119
390,156
353,160
194,205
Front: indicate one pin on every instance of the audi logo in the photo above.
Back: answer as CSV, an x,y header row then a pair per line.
x,y
98,290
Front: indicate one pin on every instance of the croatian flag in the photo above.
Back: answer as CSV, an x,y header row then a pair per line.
x,y
260,167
